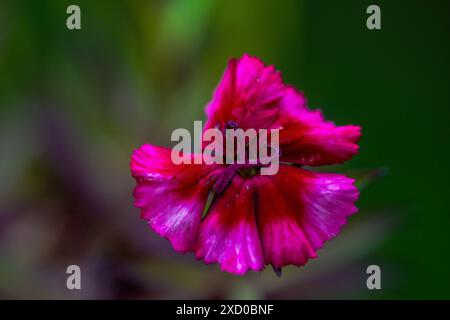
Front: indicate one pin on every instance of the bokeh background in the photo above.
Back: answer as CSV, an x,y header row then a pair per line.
x,y
74,104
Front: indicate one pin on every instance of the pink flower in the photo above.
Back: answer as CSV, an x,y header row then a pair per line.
x,y
255,220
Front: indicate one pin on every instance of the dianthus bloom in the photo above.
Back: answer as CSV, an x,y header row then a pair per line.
x,y
254,220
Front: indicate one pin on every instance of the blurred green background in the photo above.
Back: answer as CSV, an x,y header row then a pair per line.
x,y
74,104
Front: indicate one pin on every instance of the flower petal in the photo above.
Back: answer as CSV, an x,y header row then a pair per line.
x,y
299,210
247,94
229,235
254,96
171,197
307,138
326,199
282,238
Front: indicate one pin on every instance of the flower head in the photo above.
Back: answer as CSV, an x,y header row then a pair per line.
x,y
254,220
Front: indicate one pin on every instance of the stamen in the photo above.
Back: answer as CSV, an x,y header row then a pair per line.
x,y
230,124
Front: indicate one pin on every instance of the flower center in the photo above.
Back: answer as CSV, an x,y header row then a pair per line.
x,y
248,172
245,170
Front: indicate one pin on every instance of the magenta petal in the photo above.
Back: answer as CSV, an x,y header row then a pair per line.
x,y
247,94
229,234
155,163
171,197
283,240
253,95
299,210
323,201
328,199
307,138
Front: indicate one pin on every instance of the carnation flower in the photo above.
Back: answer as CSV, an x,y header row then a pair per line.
x,y
253,220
